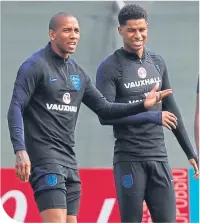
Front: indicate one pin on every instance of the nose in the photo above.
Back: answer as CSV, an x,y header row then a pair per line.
x,y
74,35
138,34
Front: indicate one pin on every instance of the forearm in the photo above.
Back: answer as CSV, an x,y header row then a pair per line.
x,y
144,117
108,110
180,132
15,124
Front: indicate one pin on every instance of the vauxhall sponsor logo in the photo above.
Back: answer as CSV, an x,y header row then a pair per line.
x,y
138,100
144,82
61,107
67,108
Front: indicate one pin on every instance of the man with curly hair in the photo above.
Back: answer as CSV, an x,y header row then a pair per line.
x,y
141,168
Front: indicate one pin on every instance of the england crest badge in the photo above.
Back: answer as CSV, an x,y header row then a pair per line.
x,y
76,81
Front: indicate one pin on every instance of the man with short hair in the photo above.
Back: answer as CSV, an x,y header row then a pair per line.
x,y
141,168
48,91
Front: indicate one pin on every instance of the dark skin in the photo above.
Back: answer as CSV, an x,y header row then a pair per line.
x,y
65,37
64,40
22,165
134,34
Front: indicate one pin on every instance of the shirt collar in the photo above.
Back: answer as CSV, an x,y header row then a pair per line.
x,y
54,54
133,56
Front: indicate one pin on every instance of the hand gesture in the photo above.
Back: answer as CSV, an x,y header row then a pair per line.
x,y
155,97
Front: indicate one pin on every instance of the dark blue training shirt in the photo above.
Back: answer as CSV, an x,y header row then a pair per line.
x,y
123,77
45,103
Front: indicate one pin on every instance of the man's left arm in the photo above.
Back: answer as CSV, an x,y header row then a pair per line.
x,y
107,110
180,133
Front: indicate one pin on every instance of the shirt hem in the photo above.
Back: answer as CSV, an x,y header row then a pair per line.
x,y
64,163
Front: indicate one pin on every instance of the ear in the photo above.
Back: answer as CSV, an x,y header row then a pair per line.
x,y
52,35
120,30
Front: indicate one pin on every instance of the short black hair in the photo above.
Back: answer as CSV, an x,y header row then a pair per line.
x,y
53,20
131,12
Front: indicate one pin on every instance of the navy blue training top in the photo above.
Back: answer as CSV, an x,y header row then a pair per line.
x,y
123,77
47,95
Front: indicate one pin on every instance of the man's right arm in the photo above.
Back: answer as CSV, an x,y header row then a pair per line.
x,y
24,87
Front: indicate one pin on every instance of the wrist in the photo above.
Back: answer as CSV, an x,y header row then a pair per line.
x,y
16,151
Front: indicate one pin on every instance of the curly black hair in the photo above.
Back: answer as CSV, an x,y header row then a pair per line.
x,y
131,12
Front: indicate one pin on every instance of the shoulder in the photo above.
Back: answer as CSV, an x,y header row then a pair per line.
x,y
108,68
155,56
34,61
32,66
158,60
108,63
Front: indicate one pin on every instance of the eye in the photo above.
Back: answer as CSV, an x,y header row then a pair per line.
x,y
131,30
77,30
66,30
142,29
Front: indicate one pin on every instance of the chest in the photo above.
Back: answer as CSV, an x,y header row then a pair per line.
x,y
62,83
137,79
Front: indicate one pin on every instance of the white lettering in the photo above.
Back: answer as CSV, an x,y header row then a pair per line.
x,y
152,81
134,101
180,186
137,84
142,82
147,81
127,85
49,106
182,219
181,194
56,107
21,204
60,107
181,203
179,174
132,84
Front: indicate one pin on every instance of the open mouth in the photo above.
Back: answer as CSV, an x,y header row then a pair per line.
x,y
138,43
72,44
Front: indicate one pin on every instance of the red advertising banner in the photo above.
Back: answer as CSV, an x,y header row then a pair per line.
x,y
98,202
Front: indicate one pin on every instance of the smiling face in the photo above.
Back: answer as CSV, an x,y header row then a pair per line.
x,y
65,36
134,34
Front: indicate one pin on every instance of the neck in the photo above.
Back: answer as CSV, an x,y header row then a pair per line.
x,y
139,52
57,51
